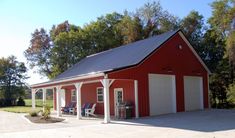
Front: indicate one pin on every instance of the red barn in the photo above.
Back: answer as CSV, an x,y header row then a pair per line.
x,y
158,75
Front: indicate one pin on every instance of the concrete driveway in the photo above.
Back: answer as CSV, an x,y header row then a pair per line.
x,y
199,124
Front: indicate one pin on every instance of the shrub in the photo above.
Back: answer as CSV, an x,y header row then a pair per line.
x,y
2,102
47,111
21,102
33,113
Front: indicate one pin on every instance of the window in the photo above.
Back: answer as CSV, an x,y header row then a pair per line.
x,y
73,95
100,96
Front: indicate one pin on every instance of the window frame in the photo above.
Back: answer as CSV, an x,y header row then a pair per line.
x,y
97,94
73,91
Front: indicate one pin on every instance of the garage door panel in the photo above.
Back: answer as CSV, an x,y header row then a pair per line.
x,y
161,94
193,93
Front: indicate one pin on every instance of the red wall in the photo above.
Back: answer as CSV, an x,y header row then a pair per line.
x,y
181,62
88,94
128,93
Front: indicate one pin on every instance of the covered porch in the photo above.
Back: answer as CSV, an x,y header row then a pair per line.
x,y
106,93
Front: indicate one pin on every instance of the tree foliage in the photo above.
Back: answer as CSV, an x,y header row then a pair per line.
x,y
39,52
222,36
12,77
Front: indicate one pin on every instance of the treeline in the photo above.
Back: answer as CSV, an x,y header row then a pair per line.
x,y
54,51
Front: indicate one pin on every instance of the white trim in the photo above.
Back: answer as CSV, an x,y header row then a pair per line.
x,y
58,100
79,99
53,92
136,99
174,94
208,92
99,94
194,52
68,79
202,93
111,82
33,92
115,100
106,100
44,97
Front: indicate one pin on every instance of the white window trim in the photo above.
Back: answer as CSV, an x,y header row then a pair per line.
x,y
118,89
99,95
72,95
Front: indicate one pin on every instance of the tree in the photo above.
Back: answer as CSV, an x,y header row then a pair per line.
x,y
103,34
221,27
130,28
12,77
155,20
192,26
39,52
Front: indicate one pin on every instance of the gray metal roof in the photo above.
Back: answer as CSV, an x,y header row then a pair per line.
x,y
120,57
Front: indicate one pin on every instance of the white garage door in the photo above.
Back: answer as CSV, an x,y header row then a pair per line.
x,y
162,95
193,93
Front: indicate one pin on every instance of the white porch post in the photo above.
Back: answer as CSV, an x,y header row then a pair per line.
x,y
44,98
33,91
53,92
136,99
105,83
58,101
79,99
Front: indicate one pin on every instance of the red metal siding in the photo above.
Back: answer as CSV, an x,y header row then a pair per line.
x,y
168,59
88,94
128,93
67,96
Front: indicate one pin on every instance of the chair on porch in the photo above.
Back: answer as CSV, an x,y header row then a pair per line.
x,y
67,108
85,106
73,110
90,111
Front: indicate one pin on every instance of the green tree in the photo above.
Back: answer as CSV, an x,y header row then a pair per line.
x,y
130,28
192,26
12,77
220,24
155,20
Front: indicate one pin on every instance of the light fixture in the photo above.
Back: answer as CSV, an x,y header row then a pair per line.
x,y
180,47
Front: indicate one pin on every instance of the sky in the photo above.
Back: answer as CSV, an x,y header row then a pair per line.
x,y
19,18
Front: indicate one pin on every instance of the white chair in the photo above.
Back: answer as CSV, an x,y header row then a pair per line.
x,y
90,111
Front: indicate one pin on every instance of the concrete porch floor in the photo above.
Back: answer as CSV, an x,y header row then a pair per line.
x,y
198,124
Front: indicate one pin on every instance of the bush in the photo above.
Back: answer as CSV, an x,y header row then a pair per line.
x,y
10,102
47,112
2,102
231,94
20,102
33,113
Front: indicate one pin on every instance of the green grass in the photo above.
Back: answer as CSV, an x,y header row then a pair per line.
x,y
19,109
39,103
28,106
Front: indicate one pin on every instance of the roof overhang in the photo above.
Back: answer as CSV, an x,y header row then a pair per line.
x,y
65,80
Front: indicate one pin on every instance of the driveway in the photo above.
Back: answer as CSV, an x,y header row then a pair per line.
x,y
198,124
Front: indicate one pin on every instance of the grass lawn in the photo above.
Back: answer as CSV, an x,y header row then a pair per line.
x,y
28,102
19,109
28,106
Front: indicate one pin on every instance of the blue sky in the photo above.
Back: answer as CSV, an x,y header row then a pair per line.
x,y
19,18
